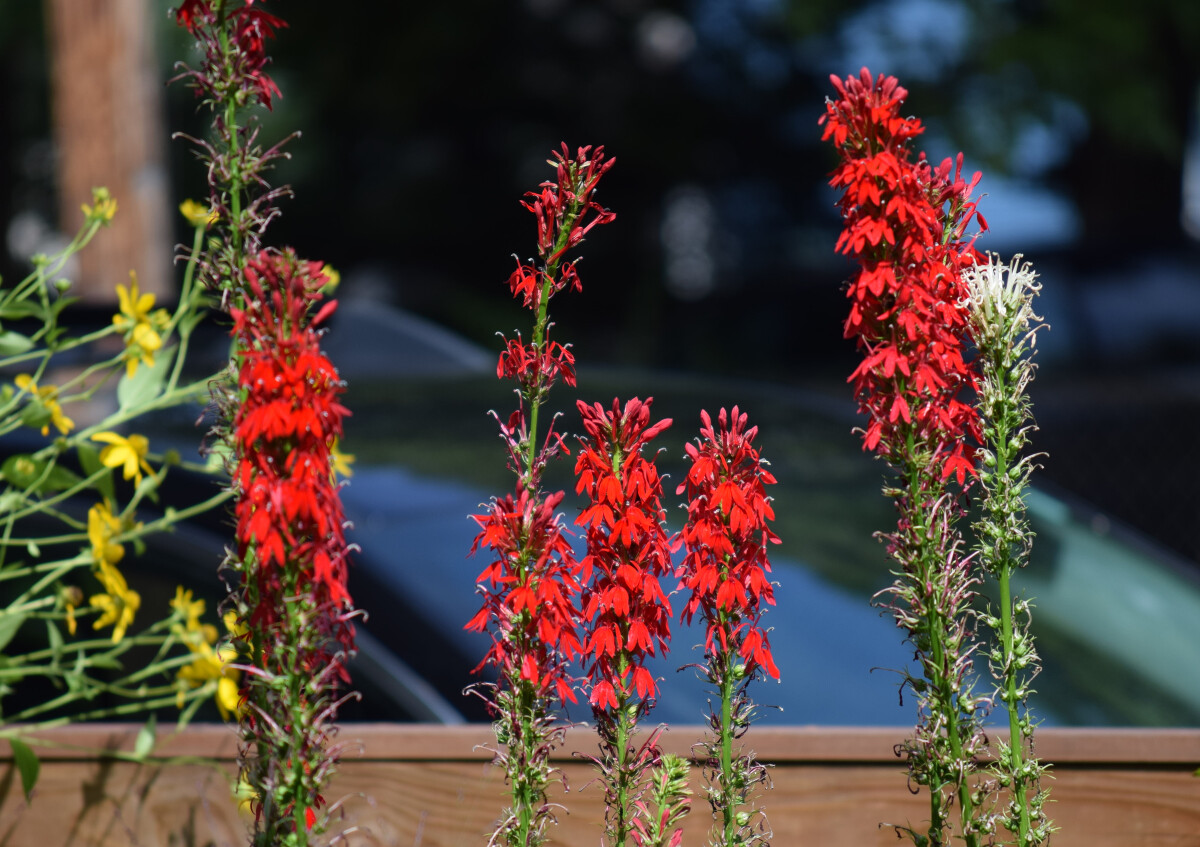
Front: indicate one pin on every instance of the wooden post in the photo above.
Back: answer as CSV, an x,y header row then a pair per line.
x,y
109,127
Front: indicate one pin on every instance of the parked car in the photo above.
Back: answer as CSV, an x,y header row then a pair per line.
x,y
1116,620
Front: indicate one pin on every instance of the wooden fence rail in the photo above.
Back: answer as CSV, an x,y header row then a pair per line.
x,y
433,786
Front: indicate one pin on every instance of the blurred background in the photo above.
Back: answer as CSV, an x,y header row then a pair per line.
x,y
424,123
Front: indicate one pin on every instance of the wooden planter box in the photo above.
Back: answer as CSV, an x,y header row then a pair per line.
x,y
428,786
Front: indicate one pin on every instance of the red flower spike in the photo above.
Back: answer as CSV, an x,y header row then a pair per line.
x,y
725,538
289,513
905,223
531,587
535,600
565,210
628,550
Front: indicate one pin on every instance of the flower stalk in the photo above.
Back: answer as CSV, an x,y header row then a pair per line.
x,y
659,821
627,615
1004,327
726,571
531,587
905,224
282,418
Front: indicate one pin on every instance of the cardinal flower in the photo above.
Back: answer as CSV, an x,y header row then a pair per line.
x,y
905,224
628,550
726,537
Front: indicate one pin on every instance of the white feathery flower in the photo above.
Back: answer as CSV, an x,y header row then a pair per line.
x,y
1000,296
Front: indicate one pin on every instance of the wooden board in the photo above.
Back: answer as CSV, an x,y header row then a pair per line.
x,y
431,786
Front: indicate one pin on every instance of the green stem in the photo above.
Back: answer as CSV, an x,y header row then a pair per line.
x,y
1016,740
729,800
1004,568
624,778
145,639
521,771
58,567
537,396
36,280
122,710
939,669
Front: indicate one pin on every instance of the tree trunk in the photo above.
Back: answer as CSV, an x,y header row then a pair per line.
x,y
108,111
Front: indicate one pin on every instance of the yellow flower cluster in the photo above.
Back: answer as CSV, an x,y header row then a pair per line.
x,y
139,325
118,603
210,662
103,207
46,396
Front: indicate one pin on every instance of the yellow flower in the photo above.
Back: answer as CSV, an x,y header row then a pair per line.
x,y
117,605
126,453
139,325
247,796
47,397
214,664
332,277
103,526
103,207
191,611
197,214
235,627
341,461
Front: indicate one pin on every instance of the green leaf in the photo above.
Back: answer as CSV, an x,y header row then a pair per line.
x,y
60,479
22,309
27,764
35,415
89,460
10,501
13,343
74,678
146,738
23,471
147,382
103,662
9,624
